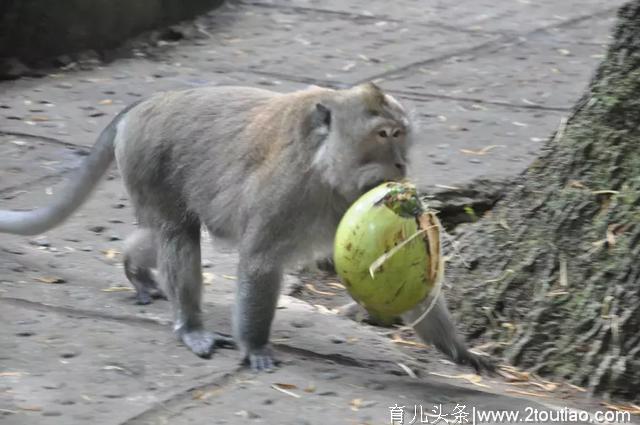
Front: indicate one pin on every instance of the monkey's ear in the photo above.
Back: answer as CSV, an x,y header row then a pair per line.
x,y
374,97
321,116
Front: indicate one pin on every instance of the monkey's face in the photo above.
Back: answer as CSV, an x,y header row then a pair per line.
x,y
381,153
374,137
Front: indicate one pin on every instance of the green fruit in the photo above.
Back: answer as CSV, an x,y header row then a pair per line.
x,y
383,218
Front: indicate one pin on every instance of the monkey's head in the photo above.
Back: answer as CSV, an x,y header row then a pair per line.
x,y
363,136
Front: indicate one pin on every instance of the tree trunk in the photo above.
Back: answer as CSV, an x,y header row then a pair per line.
x,y
552,273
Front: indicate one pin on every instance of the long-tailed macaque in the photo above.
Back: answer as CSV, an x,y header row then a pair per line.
x,y
272,172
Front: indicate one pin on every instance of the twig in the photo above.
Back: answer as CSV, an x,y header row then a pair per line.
x,y
407,370
503,276
282,390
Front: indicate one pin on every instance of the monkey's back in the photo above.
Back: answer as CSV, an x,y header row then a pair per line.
x,y
210,153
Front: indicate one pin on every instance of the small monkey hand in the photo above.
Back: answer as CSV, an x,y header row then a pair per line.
x,y
438,328
481,364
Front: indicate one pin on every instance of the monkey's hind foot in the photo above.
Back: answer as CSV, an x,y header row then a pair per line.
x,y
261,360
203,343
145,297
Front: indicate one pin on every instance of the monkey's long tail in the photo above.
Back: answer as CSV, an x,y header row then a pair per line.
x,y
76,191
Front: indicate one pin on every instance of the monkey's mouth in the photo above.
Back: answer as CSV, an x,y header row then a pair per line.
x,y
372,185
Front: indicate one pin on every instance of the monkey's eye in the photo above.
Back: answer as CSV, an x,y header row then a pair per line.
x,y
396,133
383,134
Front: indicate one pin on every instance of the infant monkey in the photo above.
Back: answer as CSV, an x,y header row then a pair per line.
x,y
259,168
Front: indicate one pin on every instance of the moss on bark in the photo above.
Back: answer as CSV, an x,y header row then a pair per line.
x,y
553,273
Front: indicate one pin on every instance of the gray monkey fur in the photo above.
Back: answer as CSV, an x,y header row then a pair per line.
x,y
262,169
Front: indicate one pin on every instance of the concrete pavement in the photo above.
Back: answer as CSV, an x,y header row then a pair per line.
x,y
488,81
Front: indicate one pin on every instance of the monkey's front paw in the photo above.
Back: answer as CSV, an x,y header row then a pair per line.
x,y
203,343
260,360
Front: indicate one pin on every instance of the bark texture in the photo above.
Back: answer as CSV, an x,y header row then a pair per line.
x,y
552,273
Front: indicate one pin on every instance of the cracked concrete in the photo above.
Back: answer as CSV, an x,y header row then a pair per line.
x,y
489,82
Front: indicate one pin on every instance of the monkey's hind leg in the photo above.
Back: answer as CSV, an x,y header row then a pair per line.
x,y
257,294
180,270
140,265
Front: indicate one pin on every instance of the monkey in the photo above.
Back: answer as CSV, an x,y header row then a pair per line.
x,y
271,172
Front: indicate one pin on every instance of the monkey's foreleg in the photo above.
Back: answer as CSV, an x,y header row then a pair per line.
x,y
437,328
256,300
180,270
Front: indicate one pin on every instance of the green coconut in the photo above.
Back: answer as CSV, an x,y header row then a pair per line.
x,y
387,250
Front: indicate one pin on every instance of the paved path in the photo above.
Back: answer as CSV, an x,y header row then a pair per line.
x,y
488,80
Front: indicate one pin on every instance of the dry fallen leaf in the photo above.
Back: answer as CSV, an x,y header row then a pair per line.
x,y
106,102
114,367
207,278
3,374
631,408
313,289
110,253
546,387
283,389
51,279
30,408
557,293
325,310
286,386
204,395
118,289
516,377
229,277
469,377
355,404
577,388
528,393
397,339
482,151
513,374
